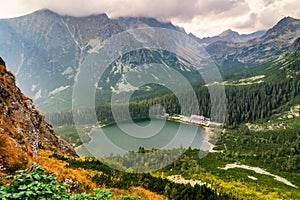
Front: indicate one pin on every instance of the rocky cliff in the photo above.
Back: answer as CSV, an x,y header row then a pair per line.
x,y
23,125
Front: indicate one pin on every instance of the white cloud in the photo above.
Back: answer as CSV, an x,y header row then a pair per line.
x,y
202,17
249,22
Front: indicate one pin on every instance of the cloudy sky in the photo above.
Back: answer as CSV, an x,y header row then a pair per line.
x,y
201,17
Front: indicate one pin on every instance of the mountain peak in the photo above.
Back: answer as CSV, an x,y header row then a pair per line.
x,y
287,26
48,12
284,21
231,36
228,32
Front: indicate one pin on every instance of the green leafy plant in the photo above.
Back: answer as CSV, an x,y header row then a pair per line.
x,y
35,183
128,197
98,194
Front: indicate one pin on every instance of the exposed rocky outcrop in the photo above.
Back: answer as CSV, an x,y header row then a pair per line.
x,y
295,48
25,125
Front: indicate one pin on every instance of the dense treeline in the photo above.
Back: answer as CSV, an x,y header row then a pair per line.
x,y
143,160
118,179
244,104
255,102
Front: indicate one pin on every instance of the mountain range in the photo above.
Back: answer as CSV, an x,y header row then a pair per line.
x,y
260,50
229,36
44,50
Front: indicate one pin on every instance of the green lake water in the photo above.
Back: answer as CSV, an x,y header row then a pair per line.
x,y
157,134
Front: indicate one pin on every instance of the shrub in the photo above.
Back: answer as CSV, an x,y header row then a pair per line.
x,y
35,183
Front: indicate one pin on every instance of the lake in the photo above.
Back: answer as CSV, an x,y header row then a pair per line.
x,y
128,136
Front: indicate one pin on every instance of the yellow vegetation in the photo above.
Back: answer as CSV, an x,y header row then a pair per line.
x,y
84,178
11,158
58,168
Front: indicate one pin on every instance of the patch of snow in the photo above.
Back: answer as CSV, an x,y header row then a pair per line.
x,y
72,35
38,95
215,83
254,78
182,68
245,81
252,177
58,90
94,44
68,71
77,74
259,171
33,87
250,83
123,86
147,88
22,61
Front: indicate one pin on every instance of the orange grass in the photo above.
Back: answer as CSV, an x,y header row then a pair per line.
x,y
84,176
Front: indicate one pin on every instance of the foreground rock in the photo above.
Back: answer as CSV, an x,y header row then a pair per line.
x,y
21,124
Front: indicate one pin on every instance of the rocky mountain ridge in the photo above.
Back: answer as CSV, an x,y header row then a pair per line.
x,y
230,36
22,124
269,47
50,47
46,50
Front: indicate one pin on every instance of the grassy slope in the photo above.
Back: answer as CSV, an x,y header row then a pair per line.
x,y
243,148
83,176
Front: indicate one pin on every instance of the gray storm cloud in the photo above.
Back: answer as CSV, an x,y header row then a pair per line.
x,y
250,21
162,9
194,15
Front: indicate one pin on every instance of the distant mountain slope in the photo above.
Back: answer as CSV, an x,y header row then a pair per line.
x,y
275,41
232,36
21,124
46,50
273,46
295,47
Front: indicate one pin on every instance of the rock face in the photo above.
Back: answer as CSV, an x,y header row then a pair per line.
x,y
273,44
59,45
24,124
44,50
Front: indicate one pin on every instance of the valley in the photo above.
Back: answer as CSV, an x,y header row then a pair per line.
x,y
121,117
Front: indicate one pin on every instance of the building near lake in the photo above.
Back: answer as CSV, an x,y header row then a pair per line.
x,y
196,119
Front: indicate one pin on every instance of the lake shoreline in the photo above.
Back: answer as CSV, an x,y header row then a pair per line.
x,y
207,132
